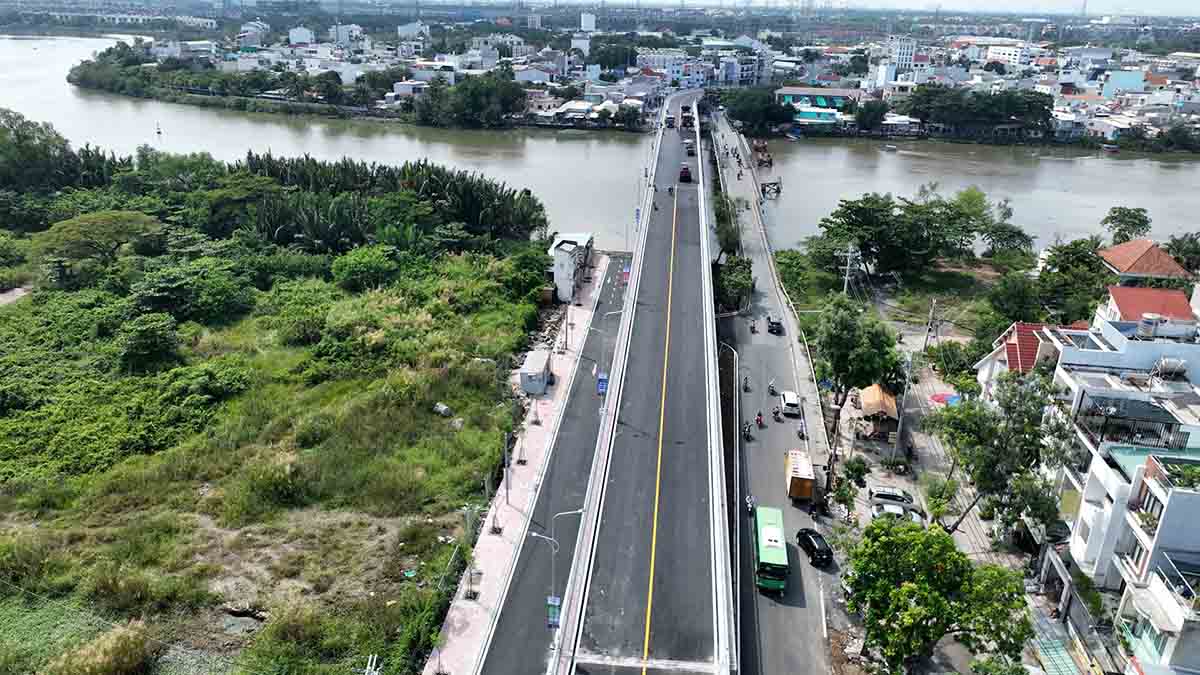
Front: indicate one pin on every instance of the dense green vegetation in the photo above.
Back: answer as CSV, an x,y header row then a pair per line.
x,y
232,365
483,101
755,108
971,113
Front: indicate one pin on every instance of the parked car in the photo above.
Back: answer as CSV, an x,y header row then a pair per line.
x,y
886,493
812,543
685,174
887,510
774,325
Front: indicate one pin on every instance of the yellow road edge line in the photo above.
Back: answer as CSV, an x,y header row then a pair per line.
x,y
662,416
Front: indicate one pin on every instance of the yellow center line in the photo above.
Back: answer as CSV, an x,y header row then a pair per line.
x,y
662,417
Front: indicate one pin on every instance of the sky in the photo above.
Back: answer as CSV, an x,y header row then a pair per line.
x,y
1095,7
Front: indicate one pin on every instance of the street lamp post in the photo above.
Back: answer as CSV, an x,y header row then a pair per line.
x,y
553,541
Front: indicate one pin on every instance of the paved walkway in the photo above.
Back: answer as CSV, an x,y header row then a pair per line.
x,y
469,622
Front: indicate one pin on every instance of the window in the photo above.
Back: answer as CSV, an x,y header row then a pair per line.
x,y
1138,555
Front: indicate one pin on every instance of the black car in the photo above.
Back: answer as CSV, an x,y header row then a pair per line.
x,y
774,325
815,546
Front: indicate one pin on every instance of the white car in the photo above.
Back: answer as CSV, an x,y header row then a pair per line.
x,y
880,510
789,403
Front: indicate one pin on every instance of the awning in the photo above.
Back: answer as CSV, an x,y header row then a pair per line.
x,y
876,401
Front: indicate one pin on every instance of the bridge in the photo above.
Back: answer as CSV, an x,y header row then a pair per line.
x,y
652,581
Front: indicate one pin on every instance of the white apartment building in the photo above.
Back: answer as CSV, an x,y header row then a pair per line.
x,y
901,50
252,34
676,65
496,40
534,21
582,42
301,36
587,22
346,35
1130,493
410,31
1010,55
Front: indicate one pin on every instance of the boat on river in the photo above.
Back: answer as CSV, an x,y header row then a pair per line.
x,y
1110,148
890,148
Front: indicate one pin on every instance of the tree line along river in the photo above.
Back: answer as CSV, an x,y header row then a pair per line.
x,y
589,180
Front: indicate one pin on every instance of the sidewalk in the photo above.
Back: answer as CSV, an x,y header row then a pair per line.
x,y
469,623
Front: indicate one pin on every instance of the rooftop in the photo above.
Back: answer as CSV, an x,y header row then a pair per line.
x,y
1142,257
1133,303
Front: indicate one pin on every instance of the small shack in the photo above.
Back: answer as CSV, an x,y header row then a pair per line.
x,y
535,372
572,253
879,411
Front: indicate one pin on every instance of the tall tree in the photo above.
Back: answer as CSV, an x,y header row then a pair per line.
x,y
1126,223
914,587
870,115
95,237
1002,445
854,349
1073,280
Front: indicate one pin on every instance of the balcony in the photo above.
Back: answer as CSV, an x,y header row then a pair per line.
x,y
1180,574
1142,519
1125,421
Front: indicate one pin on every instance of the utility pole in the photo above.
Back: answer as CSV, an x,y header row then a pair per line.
x,y
908,381
851,254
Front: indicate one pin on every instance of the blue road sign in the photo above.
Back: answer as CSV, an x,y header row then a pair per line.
x,y
602,383
553,609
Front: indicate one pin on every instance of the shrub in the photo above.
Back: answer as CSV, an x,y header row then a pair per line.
x,y
124,650
29,561
297,310
129,591
265,487
365,267
147,341
202,290
856,469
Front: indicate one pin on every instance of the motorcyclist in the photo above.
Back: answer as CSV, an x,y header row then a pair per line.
x,y
745,384
776,413
758,419
771,387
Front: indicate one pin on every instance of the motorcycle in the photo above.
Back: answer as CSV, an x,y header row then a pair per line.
x,y
771,389
753,327
746,432
746,384
777,415
758,419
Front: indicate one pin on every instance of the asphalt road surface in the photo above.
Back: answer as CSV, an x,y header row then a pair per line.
x,y
521,643
777,634
650,598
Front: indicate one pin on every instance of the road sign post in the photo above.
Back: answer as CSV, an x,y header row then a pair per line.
x,y
602,384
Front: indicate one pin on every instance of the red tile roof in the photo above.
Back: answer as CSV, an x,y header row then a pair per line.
x,y
1021,345
1133,302
1142,257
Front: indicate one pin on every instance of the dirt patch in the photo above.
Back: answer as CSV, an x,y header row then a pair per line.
x,y
840,662
983,272
13,294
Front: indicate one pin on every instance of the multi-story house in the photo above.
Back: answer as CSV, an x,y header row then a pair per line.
x,y
901,51
1130,490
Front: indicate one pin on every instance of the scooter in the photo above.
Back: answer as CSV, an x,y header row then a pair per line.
x,y
759,421
745,384
753,327
771,389
746,432
777,415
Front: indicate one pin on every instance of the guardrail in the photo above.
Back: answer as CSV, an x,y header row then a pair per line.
x,y
576,592
723,630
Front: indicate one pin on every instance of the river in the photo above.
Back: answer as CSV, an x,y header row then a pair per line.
x,y
588,180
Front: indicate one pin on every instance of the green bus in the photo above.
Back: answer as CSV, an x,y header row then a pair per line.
x,y
770,550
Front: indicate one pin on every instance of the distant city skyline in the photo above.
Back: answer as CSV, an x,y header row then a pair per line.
x,y
1094,7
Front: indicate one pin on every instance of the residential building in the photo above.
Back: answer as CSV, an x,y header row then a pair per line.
x,y
301,36
253,33
409,88
1141,259
412,31
818,97
346,35
1119,81
587,22
534,21
901,50
427,71
1015,56
582,42
496,40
